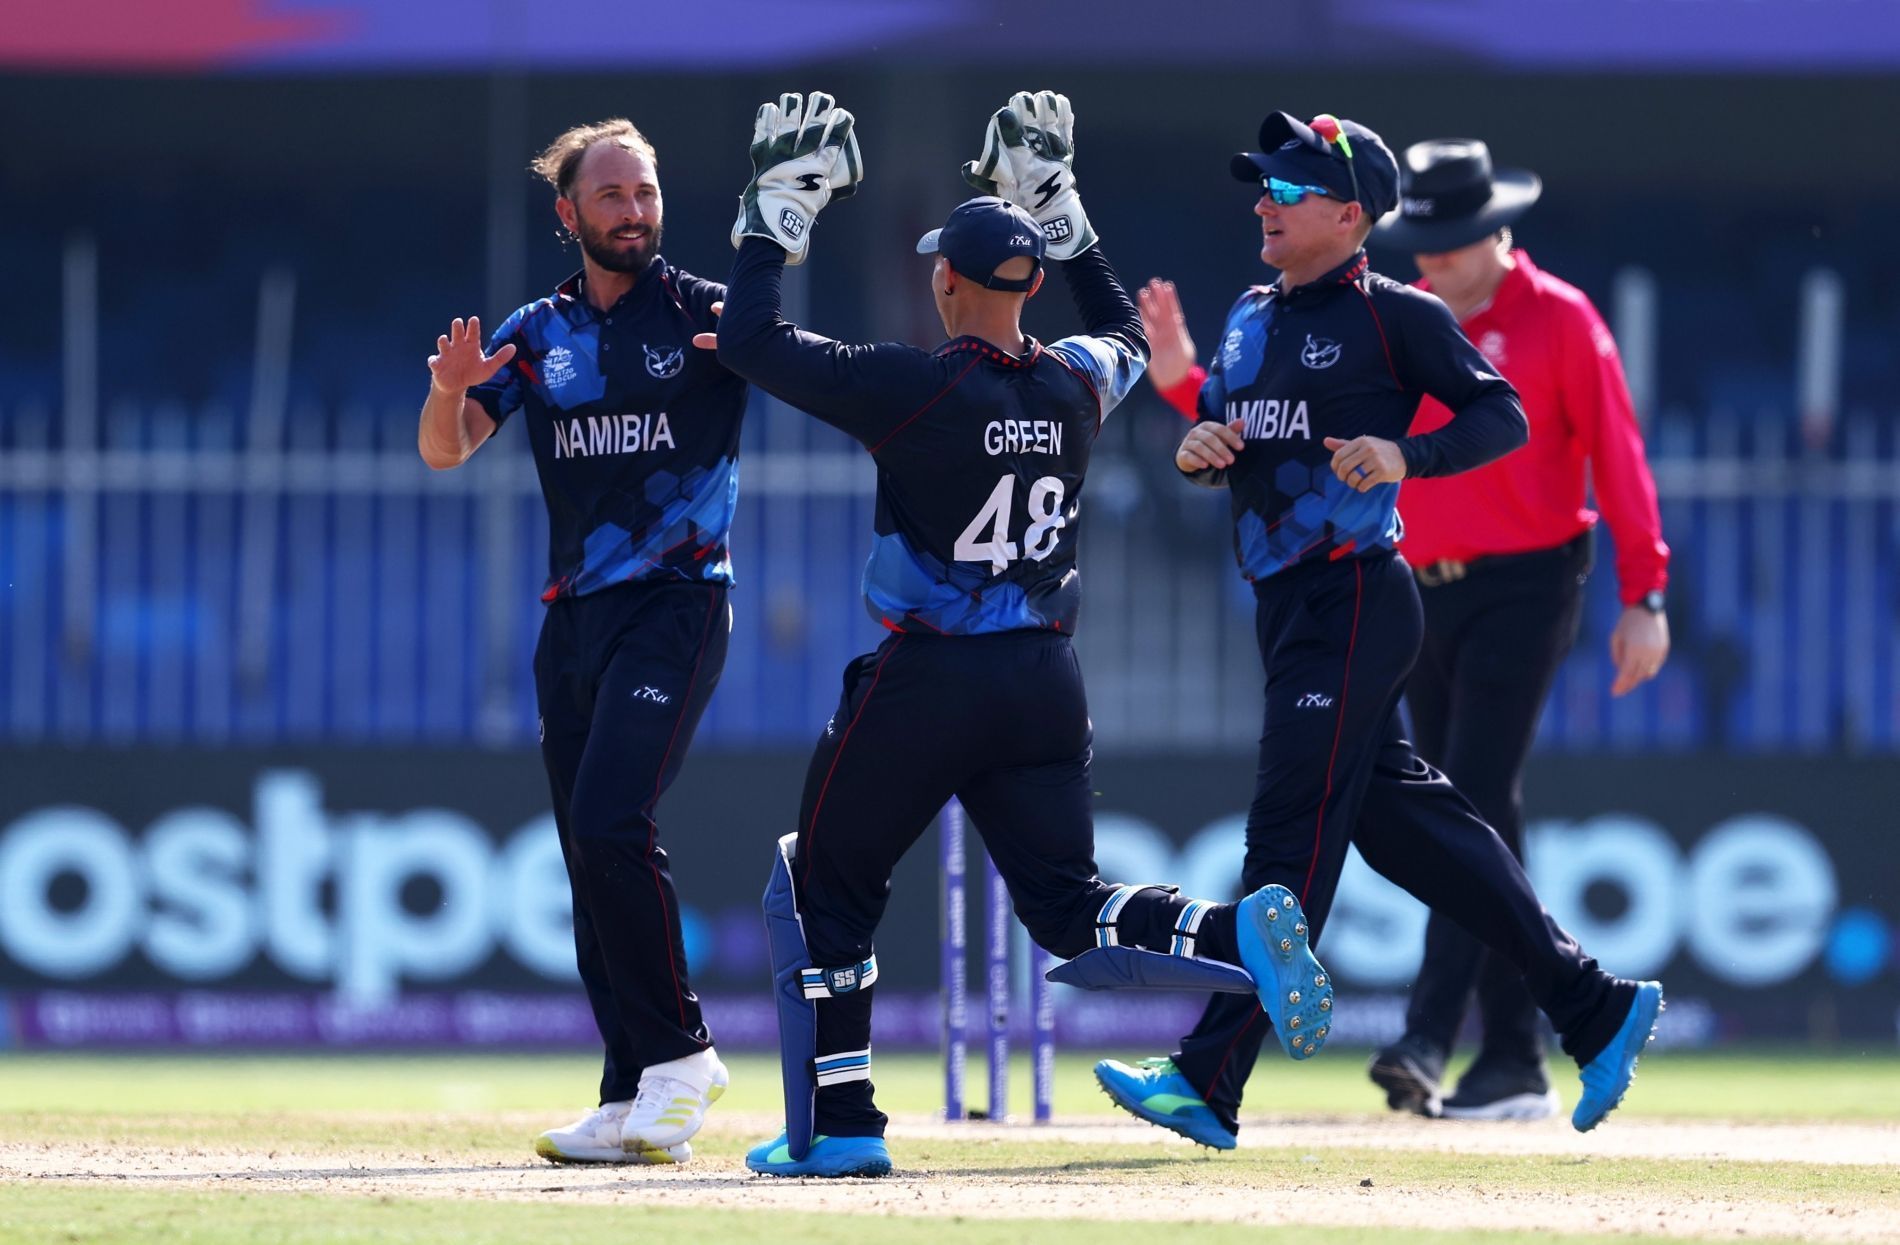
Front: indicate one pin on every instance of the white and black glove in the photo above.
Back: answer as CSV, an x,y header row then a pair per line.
x,y
1028,158
804,155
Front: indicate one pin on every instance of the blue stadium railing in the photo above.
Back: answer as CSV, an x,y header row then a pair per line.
x,y
176,585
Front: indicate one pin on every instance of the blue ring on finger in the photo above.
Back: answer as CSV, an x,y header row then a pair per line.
x,y
1360,473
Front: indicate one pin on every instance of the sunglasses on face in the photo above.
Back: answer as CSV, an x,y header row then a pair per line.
x,y
1286,194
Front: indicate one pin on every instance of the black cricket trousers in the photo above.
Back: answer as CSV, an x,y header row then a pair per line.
x,y
1493,642
1338,640
1001,722
623,676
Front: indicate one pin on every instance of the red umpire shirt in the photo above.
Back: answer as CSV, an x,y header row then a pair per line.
x,y
1543,336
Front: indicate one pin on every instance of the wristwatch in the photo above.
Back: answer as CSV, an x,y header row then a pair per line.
x,y
1652,601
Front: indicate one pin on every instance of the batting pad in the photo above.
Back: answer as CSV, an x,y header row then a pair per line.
x,y
1131,968
797,1014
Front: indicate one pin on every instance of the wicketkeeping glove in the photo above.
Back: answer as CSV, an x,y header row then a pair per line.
x,y
1028,158
804,155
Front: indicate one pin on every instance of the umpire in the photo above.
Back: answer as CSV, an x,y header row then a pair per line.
x,y
1501,554
1303,417
636,439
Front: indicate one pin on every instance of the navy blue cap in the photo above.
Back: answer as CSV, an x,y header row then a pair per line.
x,y
981,236
1294,151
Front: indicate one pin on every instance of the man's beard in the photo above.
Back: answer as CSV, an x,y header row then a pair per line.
x,y
615,255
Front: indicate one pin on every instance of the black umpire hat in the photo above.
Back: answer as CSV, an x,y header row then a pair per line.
x,y
1451,197
1343,156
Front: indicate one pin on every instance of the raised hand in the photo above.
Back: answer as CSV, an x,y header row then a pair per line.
x,y
459,363
804,155
1170,348
1028,158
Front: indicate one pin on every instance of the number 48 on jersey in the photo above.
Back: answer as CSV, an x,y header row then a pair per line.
x,y
1044,506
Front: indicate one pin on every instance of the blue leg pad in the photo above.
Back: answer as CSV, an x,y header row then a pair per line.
x,y
1131,968
797,1015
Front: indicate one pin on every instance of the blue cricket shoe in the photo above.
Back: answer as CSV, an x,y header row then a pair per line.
x,y
828,1156
1294,990
1607,1077
1155,1091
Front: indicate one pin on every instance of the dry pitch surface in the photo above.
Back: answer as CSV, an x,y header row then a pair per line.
x,y
423,1150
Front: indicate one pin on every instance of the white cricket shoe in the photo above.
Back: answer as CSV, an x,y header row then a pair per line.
x,y
598,1137
670,1104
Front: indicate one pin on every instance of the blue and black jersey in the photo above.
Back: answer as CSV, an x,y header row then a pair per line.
x,y
635,433
980,453
1348,355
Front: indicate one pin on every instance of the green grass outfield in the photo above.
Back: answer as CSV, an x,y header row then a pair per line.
x,y
480,1109
92,1217
1756,1085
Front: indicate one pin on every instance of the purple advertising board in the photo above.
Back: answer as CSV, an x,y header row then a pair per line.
x,y
387,898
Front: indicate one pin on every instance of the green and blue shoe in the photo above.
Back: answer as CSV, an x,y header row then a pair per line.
x,y
828,1156
1155,1090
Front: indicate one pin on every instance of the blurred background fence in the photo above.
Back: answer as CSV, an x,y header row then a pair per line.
x,y
201,578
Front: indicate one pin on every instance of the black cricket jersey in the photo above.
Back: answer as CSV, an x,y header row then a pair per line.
x,y
1347,355
635,432
980,453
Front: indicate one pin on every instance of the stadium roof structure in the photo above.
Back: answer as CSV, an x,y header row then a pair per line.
x,y
304,36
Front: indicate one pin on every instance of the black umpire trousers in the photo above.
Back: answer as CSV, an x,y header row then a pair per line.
x,y
1001,722
1338,640
1493,642
623,676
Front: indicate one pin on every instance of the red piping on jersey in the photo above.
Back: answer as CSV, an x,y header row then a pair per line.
x,y
993,353
1221,1067
659,786
926,406
1379,324
1339,725
666,283
811,830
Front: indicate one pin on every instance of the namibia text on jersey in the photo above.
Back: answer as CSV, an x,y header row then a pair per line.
x,y
1267,418
611,434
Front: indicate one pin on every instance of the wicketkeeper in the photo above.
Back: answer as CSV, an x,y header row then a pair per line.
x,y
981,447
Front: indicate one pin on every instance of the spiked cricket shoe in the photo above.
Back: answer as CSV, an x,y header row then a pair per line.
x,y
1294,990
